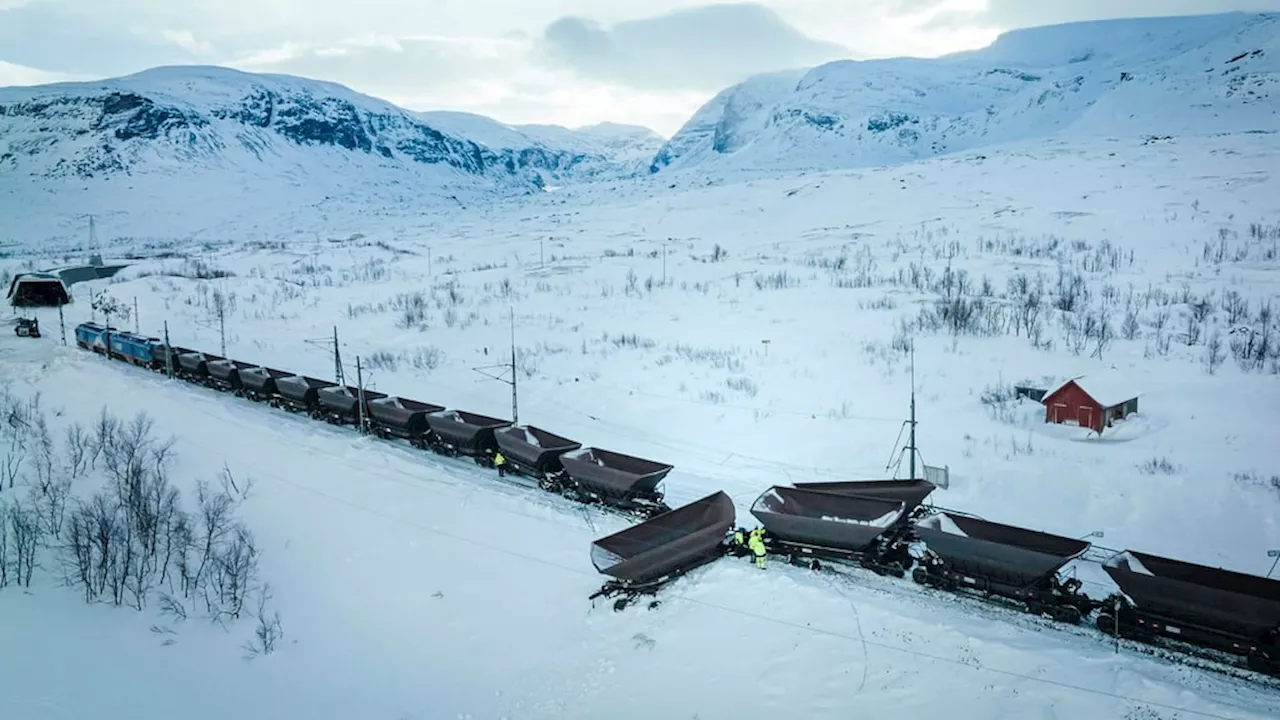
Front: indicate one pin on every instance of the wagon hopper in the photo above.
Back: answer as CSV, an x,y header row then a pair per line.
x,y
596,475
194,366
1219,609
401,417
458,432
259,383
912,493
532,450
644,557
973,555
340,404
299,393
224,374
806,525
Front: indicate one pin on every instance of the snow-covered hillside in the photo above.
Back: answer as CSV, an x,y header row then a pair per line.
x,y
1120,78
593,152
206,125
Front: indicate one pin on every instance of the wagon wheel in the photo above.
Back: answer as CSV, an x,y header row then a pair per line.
x,y
621,604
1106,623
1261,662
1068,614
921,576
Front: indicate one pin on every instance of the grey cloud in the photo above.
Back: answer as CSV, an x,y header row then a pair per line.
x,y
702,48
46,36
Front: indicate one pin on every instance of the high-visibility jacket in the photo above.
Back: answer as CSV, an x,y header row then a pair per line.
x,y
738,539
499,460
756,545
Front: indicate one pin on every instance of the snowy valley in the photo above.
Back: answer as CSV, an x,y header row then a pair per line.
x,y
744,312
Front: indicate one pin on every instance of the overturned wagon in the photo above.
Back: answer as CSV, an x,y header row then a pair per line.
x,y
596,475
973,555
458,432
807,524
299,393
644,557
532,450
1210,607
401,417
340,404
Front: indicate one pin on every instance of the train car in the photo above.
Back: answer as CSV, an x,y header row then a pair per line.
x,y
194,366
596,475
1209,607
300,393
92,336
259,383
807,525
402,418
132,348
971,555
458,432
224,374
646,556
912,493
533,451
340,404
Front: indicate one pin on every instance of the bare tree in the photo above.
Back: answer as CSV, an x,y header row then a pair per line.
x,y
24,527
1213,353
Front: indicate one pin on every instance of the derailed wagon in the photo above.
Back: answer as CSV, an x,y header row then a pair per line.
x,y
401,417
968,554
911,493
533,451
1209,607
595,475
808,524
458,432
644,557
300,394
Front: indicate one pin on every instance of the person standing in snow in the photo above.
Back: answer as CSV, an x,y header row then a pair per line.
x,y
756,543
500,463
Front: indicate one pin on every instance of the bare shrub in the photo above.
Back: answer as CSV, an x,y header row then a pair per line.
x,y
1158,466
1213,353
743,385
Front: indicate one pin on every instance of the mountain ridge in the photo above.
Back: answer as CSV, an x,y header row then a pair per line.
x,y
1128,76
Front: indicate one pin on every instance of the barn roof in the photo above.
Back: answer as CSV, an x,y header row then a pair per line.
x,y
1107,388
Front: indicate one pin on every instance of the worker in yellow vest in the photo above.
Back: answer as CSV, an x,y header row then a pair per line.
x,y
756,543
500,463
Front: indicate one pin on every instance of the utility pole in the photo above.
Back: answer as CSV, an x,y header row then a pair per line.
x,y
360,393
63,324
337,359
137,328
542,255
664,264
912,476
222,325
168,352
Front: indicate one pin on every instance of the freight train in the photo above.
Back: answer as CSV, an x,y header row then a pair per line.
x,y
884,526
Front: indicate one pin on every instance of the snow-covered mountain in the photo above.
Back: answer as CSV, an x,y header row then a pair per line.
x,y
593,152
189,122
1151,76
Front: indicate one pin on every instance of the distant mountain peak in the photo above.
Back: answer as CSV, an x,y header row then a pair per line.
x,y
1112,77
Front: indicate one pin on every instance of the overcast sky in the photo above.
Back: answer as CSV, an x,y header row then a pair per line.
x,y
570,62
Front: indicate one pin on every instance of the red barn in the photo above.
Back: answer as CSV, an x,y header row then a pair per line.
x,y
1092,402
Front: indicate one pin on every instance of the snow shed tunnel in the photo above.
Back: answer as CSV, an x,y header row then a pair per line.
x,y
36,290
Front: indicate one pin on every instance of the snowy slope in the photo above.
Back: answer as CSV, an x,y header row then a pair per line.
x,y
602,151
202,125
1136,77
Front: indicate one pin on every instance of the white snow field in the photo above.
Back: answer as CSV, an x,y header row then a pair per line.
x,y
751,331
